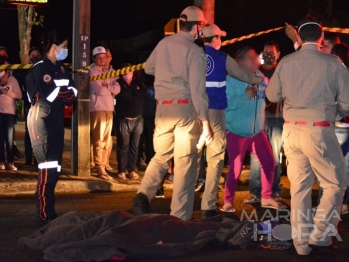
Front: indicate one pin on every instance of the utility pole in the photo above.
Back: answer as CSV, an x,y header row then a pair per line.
x,y
81,110
207,7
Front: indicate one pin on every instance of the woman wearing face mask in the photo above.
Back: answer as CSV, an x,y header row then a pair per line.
x,y
129,124
49,88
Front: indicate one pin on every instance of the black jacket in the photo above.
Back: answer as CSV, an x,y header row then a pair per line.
x,y
40,82
130,99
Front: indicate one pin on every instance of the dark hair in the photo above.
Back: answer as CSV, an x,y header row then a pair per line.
x,y
209,39
53,37
186,26
240,54
125,65
272,43
4,48
309,32
34,48
333,38
342,51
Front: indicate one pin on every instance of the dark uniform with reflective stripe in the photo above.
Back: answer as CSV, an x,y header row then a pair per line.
x,y
49,88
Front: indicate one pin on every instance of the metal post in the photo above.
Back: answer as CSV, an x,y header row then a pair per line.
x,y
81,111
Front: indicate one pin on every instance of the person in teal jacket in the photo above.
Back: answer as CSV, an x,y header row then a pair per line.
x,y
245,116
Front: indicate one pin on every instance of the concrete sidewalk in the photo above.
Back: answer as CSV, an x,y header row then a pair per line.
x,y
24,180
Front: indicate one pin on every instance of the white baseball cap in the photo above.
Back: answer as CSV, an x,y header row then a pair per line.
x,y
98,50
212,30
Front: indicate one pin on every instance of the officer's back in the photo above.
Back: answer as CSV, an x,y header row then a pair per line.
x,y
310,82
172,69
312,85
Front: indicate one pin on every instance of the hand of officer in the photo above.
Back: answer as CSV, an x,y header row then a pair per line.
x,y
207,131
291,33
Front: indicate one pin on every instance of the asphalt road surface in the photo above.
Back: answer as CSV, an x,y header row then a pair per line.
x,y
17,220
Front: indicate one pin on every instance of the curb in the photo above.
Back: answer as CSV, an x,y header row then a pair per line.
x,y
21,188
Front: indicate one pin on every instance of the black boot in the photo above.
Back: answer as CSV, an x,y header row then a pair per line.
x,y
209,213
140,204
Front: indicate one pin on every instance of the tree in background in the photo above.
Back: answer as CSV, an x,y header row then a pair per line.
x,y
207,7
27,18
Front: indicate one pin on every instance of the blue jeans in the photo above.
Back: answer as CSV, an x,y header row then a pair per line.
x,y
273,129
342,135
7,122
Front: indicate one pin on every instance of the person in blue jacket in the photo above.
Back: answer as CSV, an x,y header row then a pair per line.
x,y
218,64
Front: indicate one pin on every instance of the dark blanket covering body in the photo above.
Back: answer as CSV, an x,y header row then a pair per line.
x,y
97,236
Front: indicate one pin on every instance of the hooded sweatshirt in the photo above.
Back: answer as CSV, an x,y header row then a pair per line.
x,y
102,97
7,102
245,116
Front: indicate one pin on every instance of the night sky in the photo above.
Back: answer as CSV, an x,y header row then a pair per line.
x,y
125,19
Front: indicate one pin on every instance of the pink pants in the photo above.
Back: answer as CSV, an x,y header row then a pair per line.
x,y
259,146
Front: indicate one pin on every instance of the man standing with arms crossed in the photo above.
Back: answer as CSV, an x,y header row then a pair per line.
x,y
314,88
179,66
218,64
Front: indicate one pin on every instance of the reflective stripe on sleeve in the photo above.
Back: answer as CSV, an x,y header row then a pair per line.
x,y
61,82
216,84
74,90
53,95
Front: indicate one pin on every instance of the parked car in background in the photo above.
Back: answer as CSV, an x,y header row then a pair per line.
x,y
68,112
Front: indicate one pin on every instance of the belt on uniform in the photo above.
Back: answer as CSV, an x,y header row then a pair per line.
x,y
324,123
173,102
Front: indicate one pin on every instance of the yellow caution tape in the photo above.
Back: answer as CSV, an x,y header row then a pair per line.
x,y
238,39
28,66
336,30
118,72
15,67
141,66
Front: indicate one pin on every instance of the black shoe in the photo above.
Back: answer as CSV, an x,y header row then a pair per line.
x,y
140,204
200,187
331,249
160,193
209,213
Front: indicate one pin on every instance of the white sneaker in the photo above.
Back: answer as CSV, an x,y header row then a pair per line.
x,y
2,166
345,209
12,167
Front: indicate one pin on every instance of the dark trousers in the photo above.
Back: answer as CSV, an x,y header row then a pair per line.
x,y
128,133
7,122
27,144
148,135
342,135
201,167
46,132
